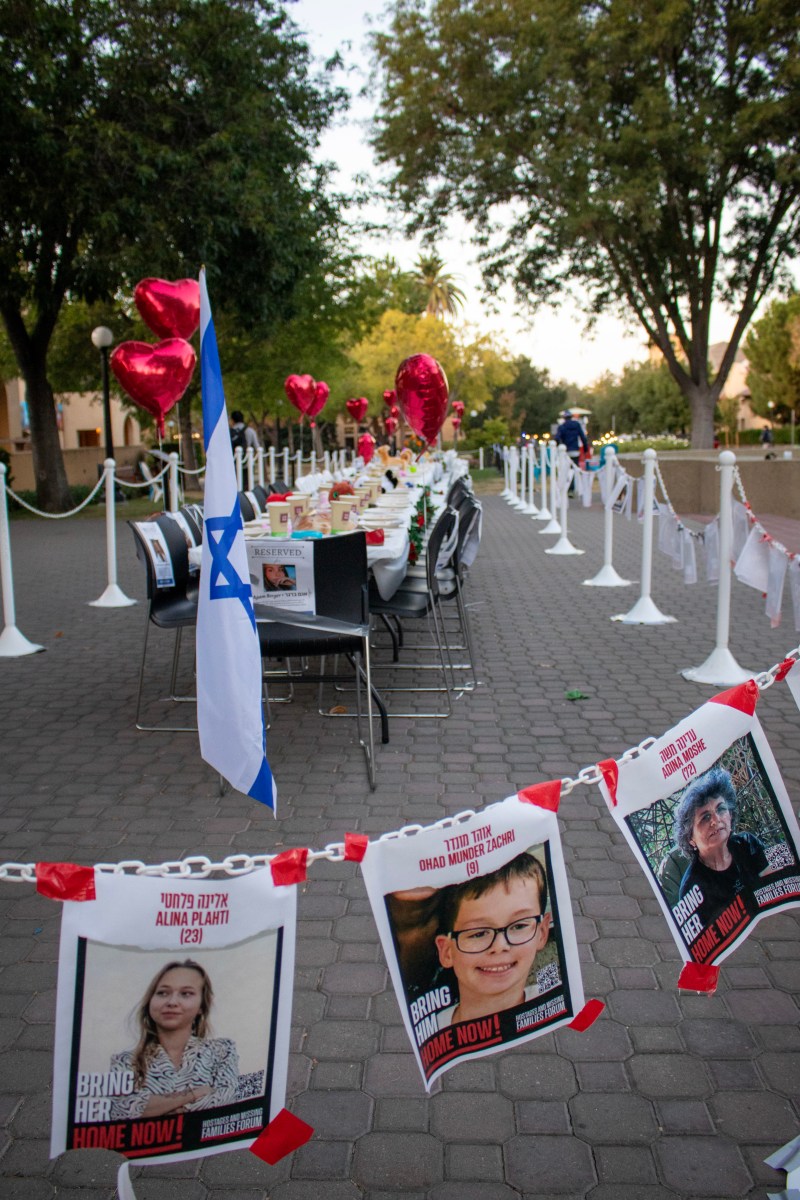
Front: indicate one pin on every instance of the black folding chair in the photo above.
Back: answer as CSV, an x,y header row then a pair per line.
x,y
339,627
260,494
246,505
172,602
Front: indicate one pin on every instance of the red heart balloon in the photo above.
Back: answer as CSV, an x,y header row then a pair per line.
x,y
458,408
169,309
422,393
389,397
357,408
366,446
394,411
155,377
301,390
391,425
321,393
456,422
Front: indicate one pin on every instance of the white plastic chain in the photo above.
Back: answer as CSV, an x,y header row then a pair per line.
x,y
186,471
197,866
743,497
147,483
697,534
58,516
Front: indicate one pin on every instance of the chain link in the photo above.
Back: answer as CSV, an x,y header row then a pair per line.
x,y
186,471
198,866
147,483
57,516
754,519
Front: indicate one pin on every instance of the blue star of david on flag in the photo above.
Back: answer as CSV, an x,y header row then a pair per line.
x,y
230,713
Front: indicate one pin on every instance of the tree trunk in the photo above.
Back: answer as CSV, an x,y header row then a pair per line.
x,y
185,425
290,437
702,402
52,489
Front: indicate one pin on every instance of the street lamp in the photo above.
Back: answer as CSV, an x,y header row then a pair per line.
x,y
103,339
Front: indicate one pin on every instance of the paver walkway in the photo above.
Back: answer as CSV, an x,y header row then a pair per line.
x,y
666,1096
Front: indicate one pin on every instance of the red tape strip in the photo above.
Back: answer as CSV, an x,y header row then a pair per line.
x,y
290,867
544,795
695,977
744,697
285,1133
587,1016
610,771
375,537
65,881
784,669
355,846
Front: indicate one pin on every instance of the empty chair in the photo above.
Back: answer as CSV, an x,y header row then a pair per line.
x,y
193,514
279,486
156,485
246,505
260,494
171,595
458,488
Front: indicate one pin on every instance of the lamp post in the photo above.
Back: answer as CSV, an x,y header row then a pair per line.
x,y
103,339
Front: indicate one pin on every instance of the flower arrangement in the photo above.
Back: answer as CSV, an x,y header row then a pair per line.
x,y
420,520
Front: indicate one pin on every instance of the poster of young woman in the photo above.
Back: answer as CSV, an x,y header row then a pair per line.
x,y
707,815
282,574
173,1014
476,925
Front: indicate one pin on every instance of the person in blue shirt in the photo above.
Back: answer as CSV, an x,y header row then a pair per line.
x,y
572,435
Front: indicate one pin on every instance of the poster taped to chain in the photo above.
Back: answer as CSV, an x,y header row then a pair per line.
x,y
707,815
476,924
173,1014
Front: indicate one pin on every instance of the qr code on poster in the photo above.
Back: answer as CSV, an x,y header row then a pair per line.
x,y
780,856
548,977
250,1086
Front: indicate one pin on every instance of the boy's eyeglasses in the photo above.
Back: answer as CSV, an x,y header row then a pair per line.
x,y
475,941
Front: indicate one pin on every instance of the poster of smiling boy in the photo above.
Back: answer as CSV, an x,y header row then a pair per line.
x,y
476,925
173,1011
707,815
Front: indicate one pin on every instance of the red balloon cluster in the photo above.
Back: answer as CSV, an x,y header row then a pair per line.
x,y
389,398
422,394
155,377
307,396
358,408
366,446
458,408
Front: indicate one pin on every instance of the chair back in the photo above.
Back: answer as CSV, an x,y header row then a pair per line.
x,y
246,505
443,528
470,526
458,488
194,519
279,486
165,555
260,494
341,579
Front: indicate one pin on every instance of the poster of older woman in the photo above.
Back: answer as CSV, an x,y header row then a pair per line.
x,y
706,813
174,1000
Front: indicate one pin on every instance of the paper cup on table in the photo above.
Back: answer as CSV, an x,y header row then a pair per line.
x,y
298,507
279,518
342,516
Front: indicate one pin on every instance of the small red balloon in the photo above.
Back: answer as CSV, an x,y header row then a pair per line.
x,y
155,377
391,425
458,408
389,397
169,309
321,393
456,422
357,408
301,390
422,394
366,446
394,411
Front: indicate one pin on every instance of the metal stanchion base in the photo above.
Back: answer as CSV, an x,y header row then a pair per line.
x,y
720,669
543,514
607,577
644,612
112,597
530,510
14,644
563,546
552,527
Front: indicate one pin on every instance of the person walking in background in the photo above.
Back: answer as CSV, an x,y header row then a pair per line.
x,y
242,435
572,435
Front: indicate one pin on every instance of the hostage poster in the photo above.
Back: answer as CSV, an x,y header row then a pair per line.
x,y
476,925
706,813
173,1014
282,574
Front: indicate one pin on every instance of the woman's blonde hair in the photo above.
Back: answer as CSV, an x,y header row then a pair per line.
x,y
148,1035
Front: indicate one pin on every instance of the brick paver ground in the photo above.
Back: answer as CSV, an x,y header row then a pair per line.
x,y
666,1096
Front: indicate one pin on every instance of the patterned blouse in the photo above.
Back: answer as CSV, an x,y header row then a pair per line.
x,y
211,1062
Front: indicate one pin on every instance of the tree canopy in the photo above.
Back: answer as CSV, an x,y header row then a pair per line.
x,y
645,152
643,399
772,349
146,139
443,296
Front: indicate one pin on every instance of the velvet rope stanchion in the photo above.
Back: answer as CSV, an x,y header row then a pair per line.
x,y
250,463
113,596
286,474
544,513
237,462
506,492
644,611
607,575
174,490
13,644
552,525
563,474
529,453
720,668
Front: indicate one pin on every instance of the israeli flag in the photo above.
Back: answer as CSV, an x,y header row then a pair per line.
x,y
230,714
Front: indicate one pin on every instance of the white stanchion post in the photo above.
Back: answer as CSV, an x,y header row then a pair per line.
x,y
298,465
113,596
528,464
287,479
644,611
514,499
720,668
506,492
564,469
607,576
260,468
326,458
544,513
237,462
313,462
174,492
480,458
271,456
249,459
552,525
13,644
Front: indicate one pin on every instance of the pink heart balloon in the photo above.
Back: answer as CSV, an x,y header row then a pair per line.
x,y
422,394
456,422
321,393
357,408
391,425
366,446
155,377
301,390
389,397
169,309
394,411
458,408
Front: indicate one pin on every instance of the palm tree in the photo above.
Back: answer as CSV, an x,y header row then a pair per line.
x,y
445,297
